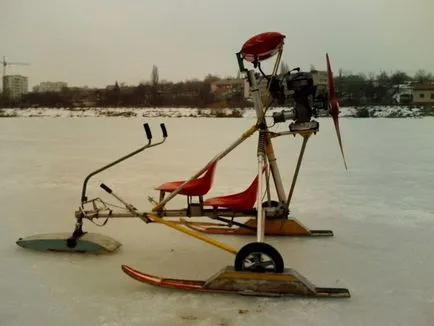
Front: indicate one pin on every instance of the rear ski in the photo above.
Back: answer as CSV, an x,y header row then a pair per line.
x,y
228,280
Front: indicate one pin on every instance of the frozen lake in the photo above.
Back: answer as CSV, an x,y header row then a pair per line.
x,y
381,211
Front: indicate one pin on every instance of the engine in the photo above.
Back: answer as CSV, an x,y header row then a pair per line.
x,y
297,90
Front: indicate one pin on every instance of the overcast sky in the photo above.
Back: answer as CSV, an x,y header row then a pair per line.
x,y
95,42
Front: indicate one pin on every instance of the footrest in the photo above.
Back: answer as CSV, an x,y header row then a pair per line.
x,y
88,242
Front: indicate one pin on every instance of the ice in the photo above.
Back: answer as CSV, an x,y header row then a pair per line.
x,y
381,211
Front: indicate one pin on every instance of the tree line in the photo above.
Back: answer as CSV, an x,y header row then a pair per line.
x,y
381,89
352,89
153,93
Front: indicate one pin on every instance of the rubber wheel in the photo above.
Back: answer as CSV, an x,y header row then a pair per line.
x,y
259,257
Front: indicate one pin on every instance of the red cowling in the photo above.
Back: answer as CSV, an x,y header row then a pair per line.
x,y
262,46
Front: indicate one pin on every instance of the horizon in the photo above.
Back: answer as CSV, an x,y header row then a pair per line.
x,y
97,43
162,81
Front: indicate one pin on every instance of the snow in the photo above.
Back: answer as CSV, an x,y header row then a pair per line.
x,y
375,112
102,112
381,212
383,112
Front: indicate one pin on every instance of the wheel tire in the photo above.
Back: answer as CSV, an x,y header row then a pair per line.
x,y
261,248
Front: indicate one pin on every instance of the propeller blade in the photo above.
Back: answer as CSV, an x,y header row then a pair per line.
x,y
334,106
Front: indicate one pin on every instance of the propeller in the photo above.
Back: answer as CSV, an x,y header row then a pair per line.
x,y
334,106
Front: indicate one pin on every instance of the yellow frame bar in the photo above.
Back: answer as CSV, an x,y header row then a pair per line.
x,y
195,234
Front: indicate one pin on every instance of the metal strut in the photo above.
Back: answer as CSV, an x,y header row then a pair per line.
x,y
297,169
259,209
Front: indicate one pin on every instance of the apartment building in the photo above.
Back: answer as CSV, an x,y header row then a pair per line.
x,y
15,86
225,87
423,94
48,86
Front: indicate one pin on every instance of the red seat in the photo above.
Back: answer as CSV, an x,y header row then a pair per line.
x,y
196,187
239,201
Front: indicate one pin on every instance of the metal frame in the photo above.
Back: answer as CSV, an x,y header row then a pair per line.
x,y
251,272
265,156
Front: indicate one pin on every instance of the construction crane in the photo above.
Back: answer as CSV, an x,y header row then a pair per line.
x,y
6,63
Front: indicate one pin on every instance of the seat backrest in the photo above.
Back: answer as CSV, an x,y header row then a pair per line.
x,y
251,192
208,177
203,184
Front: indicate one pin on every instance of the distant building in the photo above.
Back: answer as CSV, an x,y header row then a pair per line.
x,y
14,86
50,87
320,78
423,94
227,87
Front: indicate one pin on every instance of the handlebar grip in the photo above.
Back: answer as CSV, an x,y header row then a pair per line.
x,y
148,131
163,129
103,186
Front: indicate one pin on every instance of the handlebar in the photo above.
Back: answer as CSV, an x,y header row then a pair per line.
x,y
148,145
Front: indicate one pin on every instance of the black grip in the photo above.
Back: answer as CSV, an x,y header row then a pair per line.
x,y
148,131
103,186
163,129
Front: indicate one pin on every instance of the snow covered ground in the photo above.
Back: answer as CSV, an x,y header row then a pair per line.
x,y
383,112
381,212
376,112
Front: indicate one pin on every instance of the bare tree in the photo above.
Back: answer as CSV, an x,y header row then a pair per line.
x,y
284,68
399,77
154,86
211,78
422,76
371,76
154,76
383,78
